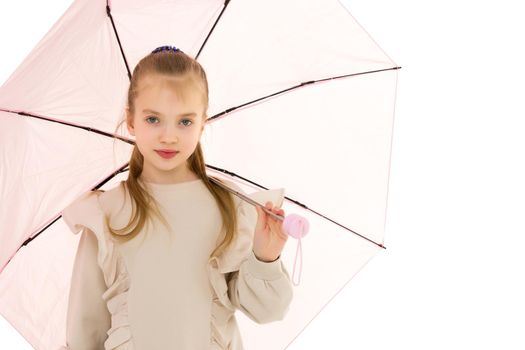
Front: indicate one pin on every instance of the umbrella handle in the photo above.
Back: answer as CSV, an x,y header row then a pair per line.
x,y
299,250
294,225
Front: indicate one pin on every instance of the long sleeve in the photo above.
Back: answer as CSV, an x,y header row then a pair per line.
x,y
88,318
261,290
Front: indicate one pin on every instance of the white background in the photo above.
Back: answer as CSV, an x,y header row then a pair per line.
x,y
452,276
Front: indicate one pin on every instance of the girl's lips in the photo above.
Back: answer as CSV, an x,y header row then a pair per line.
x,y
166,155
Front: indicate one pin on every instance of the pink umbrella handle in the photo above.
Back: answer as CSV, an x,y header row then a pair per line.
x,y
296,226
300,251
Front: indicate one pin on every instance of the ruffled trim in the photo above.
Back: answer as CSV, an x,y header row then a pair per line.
x,y
116,297
86,212
221,307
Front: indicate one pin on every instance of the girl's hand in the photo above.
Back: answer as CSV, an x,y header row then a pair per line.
x,y
269,236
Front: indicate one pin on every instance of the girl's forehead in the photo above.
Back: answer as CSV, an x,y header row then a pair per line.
x,y
158,82
160,88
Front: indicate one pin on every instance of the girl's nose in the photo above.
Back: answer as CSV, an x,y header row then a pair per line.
x,y
170,135
170,139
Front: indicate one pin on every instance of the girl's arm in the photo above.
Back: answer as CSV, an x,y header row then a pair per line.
x,y
261,290
88,318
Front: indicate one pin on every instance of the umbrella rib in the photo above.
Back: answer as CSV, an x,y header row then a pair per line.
x,y
296,202
108,12
102,183
87,128
296,87
226,2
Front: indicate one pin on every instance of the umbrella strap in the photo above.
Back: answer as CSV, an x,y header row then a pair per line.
x,y
299,250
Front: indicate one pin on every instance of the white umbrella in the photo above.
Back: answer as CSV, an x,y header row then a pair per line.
x,y
301,98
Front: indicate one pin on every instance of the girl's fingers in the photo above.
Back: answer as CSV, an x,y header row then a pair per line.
x,y
269,206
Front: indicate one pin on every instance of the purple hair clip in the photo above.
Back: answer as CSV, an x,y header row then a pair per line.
x,y
166,48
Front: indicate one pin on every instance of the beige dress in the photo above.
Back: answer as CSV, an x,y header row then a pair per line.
x,y
160,290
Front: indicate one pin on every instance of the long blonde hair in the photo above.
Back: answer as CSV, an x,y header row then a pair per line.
x,y
189,77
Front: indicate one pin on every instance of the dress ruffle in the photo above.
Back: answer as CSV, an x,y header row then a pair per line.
x,y
116,297
86,212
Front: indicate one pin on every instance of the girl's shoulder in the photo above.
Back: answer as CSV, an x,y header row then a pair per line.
x,y
236,187
110,200
276,196
92,206
115,203
84,211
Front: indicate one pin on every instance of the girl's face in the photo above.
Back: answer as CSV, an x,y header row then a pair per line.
x,y
164,122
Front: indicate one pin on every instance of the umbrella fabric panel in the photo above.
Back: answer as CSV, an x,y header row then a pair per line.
x,y
48,165
259,48
284,142
34,287
75,73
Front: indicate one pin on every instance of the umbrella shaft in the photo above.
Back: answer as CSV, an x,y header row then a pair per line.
x,y
249,200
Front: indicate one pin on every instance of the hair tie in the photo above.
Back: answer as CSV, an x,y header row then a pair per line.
x,y
166,48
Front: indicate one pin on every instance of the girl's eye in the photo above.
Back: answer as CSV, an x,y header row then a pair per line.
x,y
151,118
187,120
184,120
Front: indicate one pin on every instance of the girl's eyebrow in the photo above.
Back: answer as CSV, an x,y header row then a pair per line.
x,y
190,114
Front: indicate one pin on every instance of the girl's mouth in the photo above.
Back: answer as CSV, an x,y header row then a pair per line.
x,y
166,155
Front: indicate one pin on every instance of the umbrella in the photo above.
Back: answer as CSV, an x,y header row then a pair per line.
x,y
301,98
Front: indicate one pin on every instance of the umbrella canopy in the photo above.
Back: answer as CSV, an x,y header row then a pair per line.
x,y
301,98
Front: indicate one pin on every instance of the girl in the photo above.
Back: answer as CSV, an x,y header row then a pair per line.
x,y
167,256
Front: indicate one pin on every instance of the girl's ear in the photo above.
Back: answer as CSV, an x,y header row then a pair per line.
x,y
129,122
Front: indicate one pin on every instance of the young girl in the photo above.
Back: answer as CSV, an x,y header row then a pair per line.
x,y
166,257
